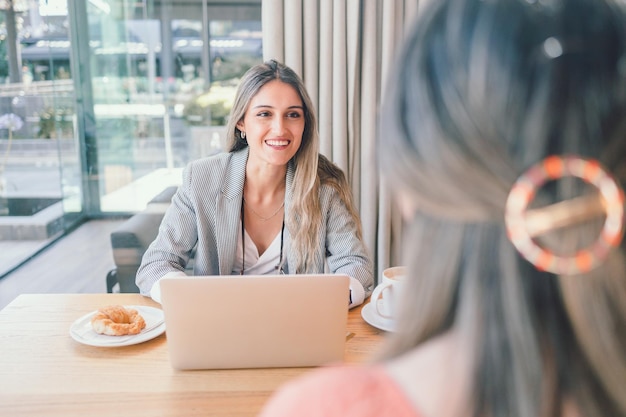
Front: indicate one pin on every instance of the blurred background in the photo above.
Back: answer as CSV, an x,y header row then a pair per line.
x,y
102,102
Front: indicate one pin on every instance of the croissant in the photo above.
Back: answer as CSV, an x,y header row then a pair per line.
x,y
117,321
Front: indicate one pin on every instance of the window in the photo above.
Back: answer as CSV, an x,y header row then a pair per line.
x,y
156,83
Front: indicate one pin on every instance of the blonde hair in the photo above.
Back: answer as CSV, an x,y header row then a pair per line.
x,y
475,100
312,170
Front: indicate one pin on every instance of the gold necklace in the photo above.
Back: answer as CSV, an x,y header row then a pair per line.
x,y
258,215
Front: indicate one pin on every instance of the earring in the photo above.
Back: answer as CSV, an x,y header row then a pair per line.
x,y
243,135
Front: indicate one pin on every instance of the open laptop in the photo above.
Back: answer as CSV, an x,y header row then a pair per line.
x,y
264,321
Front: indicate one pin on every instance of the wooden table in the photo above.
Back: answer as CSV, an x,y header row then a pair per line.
x,y
44,372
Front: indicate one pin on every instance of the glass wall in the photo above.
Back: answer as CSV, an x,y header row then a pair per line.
x,y
163,76
102,102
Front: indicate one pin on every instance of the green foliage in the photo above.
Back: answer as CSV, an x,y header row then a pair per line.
x,y
233,67
212,107
4,63
53,120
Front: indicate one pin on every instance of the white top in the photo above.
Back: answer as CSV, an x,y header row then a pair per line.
x,y
257,265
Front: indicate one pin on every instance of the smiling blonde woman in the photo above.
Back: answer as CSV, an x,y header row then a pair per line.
x,y
271,204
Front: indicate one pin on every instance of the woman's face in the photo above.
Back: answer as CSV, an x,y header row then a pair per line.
x,y
274,123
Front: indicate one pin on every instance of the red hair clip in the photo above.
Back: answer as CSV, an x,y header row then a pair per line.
x,y
522,224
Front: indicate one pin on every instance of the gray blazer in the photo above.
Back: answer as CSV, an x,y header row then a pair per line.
x,y
205,212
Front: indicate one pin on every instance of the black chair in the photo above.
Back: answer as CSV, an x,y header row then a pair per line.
x,y
112,280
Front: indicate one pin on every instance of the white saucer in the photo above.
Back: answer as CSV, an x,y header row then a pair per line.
x,y
82,332
371,316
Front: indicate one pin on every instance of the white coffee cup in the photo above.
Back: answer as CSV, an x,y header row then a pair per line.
x,y
386,295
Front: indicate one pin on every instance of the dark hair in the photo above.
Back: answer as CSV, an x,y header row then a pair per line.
x,y
484,89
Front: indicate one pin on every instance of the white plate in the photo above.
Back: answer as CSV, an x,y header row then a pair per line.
x,y
370,315
82,332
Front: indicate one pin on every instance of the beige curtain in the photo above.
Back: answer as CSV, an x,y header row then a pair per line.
x,y
343,50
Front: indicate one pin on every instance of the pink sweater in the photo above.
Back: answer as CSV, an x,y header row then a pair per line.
x,y
341,391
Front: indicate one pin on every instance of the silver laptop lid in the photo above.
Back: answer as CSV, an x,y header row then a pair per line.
x,y
217,322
